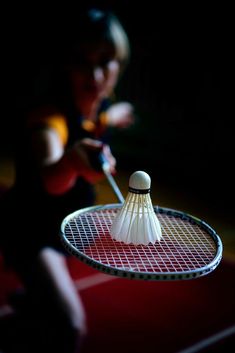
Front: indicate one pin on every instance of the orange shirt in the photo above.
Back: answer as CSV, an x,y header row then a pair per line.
x,y
54,119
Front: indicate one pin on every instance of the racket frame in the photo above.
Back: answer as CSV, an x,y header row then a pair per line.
x,y
128,273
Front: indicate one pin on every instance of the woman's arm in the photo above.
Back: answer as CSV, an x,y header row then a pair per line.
x,y
55,164
60,167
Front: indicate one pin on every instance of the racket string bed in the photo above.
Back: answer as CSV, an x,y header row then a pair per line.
x,y
189,248
184,250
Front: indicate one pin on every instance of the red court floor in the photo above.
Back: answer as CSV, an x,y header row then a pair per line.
x,y
146,316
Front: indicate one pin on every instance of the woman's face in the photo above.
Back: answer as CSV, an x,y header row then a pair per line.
x,y
94,75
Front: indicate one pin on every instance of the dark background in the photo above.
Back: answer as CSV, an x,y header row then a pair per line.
x,y
174,79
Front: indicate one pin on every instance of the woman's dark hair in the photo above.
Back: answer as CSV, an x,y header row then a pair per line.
x,y
67,44
94,26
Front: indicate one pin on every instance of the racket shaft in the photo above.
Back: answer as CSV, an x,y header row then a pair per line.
x,y
113,184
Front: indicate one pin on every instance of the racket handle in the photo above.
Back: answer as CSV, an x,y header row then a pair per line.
x,y
112,182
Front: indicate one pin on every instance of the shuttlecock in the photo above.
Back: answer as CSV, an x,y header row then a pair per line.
x,y
136,222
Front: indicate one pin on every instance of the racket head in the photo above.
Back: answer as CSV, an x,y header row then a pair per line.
x,y
190,248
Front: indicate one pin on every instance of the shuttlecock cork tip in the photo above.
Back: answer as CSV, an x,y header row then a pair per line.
x,y
140,181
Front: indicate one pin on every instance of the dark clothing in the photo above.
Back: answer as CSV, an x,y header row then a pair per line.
x,y
30,217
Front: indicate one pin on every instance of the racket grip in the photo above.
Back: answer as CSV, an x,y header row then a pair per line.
x,y
105,167
104,164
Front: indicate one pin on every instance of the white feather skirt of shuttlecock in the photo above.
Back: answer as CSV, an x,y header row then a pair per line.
x,y
136,222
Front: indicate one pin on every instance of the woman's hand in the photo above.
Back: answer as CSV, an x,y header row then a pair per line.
x,y
120,115
83,159
88,162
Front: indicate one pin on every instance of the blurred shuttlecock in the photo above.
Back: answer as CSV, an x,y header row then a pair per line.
x,y
136,222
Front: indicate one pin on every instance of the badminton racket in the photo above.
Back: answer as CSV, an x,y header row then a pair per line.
x,y
189,247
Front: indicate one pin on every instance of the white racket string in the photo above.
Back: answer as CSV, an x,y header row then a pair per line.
x,y
189,247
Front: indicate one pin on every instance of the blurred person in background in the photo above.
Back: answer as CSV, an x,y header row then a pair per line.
x,y
63,130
